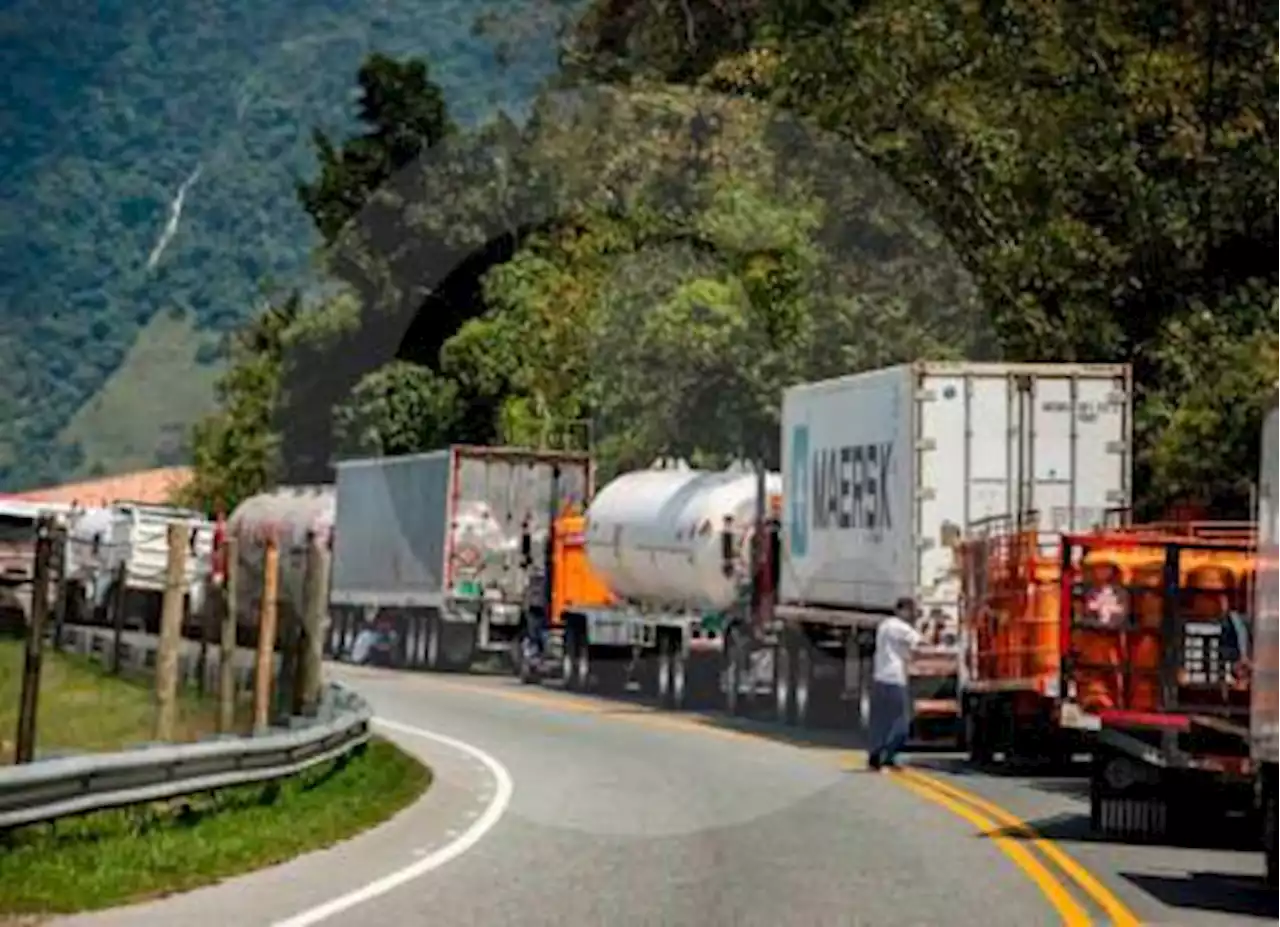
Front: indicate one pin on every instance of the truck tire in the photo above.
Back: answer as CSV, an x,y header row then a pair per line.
x,y
434,655
783,679
570,659
672,673
1269,829
803,681
736,675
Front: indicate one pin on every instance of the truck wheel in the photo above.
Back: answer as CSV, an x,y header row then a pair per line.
x,y
581,665
803,685
672,673
523,665
1269,836
782,679
569,660
435,643
736,675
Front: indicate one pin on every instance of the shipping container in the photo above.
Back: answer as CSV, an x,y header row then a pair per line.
x,y
440,547
884,472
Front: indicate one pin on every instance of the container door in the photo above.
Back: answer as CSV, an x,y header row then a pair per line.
x,y
498,496
1076,447
1266,608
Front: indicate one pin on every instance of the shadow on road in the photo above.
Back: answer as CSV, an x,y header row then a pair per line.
x,y
1242,896
1227,835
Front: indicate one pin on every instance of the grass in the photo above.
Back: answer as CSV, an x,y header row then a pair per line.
x,y
114,857
83,708
143,410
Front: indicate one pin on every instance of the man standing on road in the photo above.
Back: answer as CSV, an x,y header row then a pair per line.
x,y
896,637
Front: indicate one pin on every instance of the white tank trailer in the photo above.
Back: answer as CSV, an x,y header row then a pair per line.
x,y
672,544
292,515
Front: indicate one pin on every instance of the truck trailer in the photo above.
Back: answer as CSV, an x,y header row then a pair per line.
x,y
644,585
1264,704
883,474
442,546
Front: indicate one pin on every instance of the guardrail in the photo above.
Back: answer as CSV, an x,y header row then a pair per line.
x,y
55,788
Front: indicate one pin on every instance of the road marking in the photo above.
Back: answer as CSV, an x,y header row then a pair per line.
x,y
1072,914
1120,915
470,837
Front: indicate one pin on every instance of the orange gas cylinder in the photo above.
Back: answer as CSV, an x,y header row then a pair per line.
x,y
1147,594
1044,656
1099,682
1210,589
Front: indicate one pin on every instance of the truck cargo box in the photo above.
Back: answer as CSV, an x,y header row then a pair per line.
x,y
1266,609
417,530
883,472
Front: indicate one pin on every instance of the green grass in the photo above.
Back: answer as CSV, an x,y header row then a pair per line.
x,y
83,708
115,857
140,416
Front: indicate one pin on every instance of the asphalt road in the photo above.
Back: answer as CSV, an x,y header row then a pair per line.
x,y
550,808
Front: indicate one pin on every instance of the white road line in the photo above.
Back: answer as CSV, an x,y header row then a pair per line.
x,y
470,837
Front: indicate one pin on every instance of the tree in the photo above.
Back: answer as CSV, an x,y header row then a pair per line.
x,y
235,450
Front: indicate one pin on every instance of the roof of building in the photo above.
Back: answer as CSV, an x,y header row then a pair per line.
x,y
152,486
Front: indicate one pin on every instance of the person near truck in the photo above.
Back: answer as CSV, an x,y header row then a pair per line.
x,y
896,637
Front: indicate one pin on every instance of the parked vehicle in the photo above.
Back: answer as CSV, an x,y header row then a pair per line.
x,y
444,544
292,515
1264,703
1154,666
699,579
134,535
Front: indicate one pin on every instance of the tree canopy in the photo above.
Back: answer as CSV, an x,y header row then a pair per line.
x,y
719,199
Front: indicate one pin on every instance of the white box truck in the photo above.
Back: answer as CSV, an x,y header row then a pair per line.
x,y
884,471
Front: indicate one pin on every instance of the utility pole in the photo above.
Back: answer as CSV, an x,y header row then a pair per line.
x,y
29,706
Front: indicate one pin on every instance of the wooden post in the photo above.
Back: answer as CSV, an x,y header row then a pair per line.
x,y
119,597
29,706
227,640
170,634
313,622
266,635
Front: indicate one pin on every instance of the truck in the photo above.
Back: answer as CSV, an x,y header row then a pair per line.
x,y
885,471
749,585
133,537
442,547
643,586
292,516
1264,698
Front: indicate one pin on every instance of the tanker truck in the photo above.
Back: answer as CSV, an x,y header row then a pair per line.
x,y
291,515
439,548
643,587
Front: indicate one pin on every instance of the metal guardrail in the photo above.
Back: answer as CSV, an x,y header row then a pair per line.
x,y
55,788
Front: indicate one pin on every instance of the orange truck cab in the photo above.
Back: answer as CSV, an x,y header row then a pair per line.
x,y
573,583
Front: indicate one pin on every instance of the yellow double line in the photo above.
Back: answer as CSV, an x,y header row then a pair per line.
x,y
1013,836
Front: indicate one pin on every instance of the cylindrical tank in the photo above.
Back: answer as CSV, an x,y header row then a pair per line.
x,y
288,514
655,535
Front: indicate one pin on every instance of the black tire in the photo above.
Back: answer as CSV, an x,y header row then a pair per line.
x,y
784,681
1269,829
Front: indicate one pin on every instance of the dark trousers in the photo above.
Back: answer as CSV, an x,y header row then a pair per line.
x,y
890,721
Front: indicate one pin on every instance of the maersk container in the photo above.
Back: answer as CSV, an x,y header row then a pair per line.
x,y
655,536
419,530
884,470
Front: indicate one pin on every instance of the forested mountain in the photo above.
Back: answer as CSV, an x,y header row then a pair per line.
x,y
148,157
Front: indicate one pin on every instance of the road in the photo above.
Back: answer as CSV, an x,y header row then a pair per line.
x,y
557,809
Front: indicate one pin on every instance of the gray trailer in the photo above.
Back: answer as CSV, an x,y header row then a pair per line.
x,y
436,551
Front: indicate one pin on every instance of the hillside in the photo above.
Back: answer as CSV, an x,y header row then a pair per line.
x,y
149,157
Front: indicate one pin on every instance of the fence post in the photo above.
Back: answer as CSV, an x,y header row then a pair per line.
x,y
227,639
119,597
25,747
170,633
313,620
266,636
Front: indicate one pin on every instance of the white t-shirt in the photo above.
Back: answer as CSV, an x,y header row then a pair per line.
x,y
894,642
